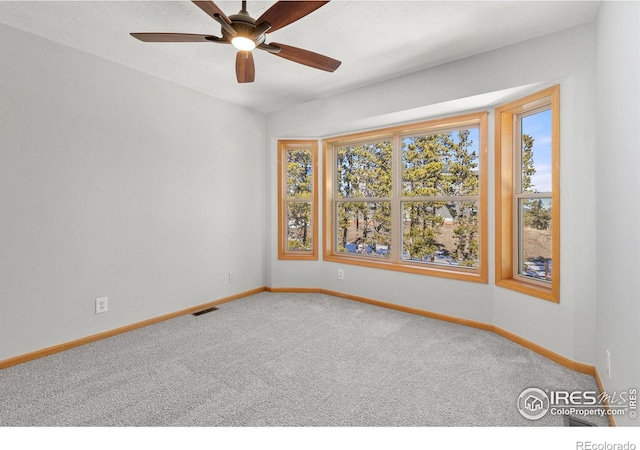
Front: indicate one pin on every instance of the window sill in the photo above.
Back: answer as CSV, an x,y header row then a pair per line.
x,y
473,275
530,289
298,257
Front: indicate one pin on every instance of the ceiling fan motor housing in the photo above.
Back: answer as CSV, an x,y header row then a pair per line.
x,y
245,26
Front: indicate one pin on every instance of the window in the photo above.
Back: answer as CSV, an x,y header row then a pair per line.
x,y
410,198
527,195
297,205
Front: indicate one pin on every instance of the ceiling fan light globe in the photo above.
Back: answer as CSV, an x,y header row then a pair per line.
x,y
243,43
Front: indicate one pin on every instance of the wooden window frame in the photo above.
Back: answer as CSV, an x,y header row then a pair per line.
x,y
506,273
479,274
283,251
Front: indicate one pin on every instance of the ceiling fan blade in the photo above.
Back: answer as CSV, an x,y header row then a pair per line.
x,y
211,9
306,57
176,37
245,69
285,12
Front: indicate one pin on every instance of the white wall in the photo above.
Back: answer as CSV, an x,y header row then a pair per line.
x,y
475,83
114,183
618,191
117,184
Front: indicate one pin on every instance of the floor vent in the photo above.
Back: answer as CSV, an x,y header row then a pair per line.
x,y
573,422
204,311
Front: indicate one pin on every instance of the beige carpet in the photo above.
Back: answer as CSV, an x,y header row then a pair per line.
x,y
287,360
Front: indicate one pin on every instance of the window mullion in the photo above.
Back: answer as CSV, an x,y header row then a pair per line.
x,y
443,198
363,199
396,194
535,195
517,191
334,196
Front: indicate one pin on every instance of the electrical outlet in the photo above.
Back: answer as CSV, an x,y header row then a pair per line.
x,y
340,274
608,364
232,277
102,305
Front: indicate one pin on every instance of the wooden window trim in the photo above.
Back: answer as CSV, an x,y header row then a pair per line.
x,y
480,274
283,252
505,273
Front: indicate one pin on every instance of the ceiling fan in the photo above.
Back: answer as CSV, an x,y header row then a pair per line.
x,y
246,33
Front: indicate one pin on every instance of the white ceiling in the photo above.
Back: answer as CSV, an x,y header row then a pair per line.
x,y
375,40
